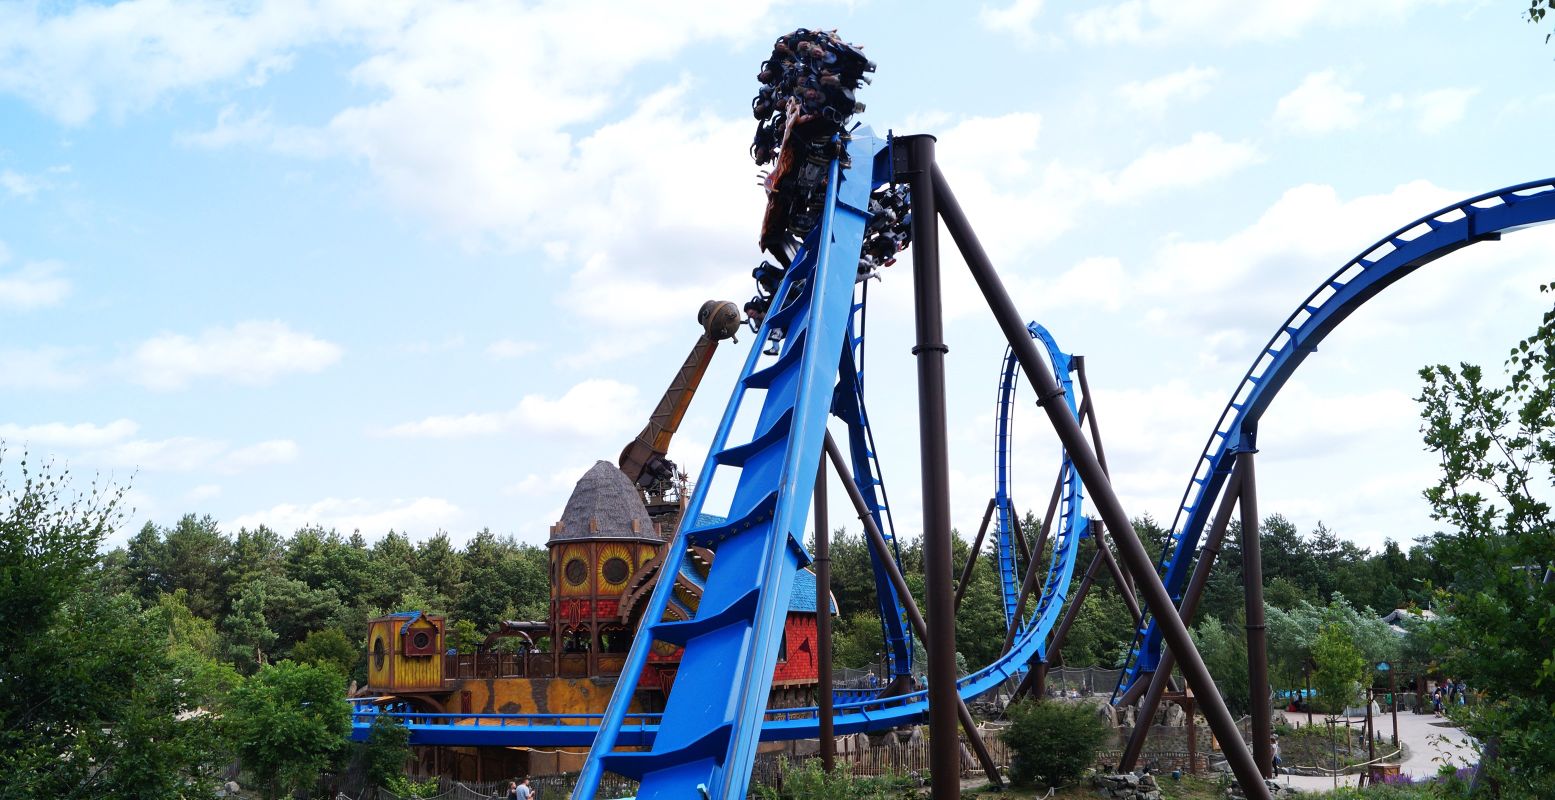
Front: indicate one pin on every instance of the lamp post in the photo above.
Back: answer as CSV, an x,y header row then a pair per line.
x,y
1392,696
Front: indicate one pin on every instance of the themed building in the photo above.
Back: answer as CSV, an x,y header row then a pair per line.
x,y
605,560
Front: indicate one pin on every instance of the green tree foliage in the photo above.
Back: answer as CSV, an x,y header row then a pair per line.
x,y
386,750
1340,668
93,700
1537,9
328,648
463,636
1224,650
1293,634
288,723
1033,736
1496,445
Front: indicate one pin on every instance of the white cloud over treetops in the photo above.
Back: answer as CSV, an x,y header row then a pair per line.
x,y
249,353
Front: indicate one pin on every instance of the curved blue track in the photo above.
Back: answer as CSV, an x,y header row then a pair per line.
x,y
1481,218
1070,507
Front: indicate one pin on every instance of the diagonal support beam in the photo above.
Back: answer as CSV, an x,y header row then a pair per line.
x,y
883,553
1106,500
1190,608
971,558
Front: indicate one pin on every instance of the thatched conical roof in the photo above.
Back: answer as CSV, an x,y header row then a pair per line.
x,y
604,503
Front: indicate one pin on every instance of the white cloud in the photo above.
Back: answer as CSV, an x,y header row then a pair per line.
x,y
204,491
33,286
1202,159
189,454
453,136
593,408
1154,96
1323,103
1440,109
547,483
74,61
1225,21
1016,18
249,353
39,368
275,451
1239,286
511,348
1022,202
19,185
82,434
417,516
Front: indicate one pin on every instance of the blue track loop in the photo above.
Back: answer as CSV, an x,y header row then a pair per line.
x,y
707,736
1072,499
1477,219
1071,521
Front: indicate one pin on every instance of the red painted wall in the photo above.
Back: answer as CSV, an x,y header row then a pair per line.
x,y
800,666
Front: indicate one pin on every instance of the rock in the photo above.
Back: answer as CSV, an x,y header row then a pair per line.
x,y
1175,716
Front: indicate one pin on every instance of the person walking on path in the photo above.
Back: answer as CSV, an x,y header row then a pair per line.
x,y
512,793
524,792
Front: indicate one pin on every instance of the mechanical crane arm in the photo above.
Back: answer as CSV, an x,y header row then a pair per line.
x,y
645,459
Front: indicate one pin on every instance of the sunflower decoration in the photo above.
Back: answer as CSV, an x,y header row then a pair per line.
x,y
614,567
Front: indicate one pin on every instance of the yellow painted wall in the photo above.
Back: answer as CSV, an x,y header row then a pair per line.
x,y
531,696
400,672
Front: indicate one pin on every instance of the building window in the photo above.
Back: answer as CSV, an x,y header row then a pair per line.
x,y
576,572
378,654
783,648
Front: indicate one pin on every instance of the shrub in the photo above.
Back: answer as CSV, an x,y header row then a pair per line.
x,y
809,781
1053,743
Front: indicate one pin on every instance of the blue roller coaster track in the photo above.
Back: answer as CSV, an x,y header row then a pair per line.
x,y
704,742
1071,512
1478,219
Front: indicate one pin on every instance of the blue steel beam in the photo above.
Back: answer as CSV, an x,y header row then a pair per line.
x,y
706,741
1008,527
1478,219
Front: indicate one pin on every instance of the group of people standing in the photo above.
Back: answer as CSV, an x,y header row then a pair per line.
x,y
1452,692
519,790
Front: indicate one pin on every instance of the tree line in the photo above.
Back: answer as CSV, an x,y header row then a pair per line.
x,y
140,671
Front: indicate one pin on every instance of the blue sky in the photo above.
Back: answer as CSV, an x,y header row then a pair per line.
x,y
417,265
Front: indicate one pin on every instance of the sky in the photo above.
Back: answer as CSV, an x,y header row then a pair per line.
x,y
417,265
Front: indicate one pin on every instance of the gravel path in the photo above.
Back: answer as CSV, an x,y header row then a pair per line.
x,y
1432,741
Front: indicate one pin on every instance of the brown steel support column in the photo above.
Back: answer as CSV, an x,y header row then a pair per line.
x,y
977,547
1072,609
823,620
917,168
1125,588
1257,631
1088,413
1135,559
914,618
1190,607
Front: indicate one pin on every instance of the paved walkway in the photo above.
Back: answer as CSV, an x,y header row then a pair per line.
x,y
1432,741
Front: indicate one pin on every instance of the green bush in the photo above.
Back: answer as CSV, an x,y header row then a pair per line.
x,y
809,781
1053,743
402,786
